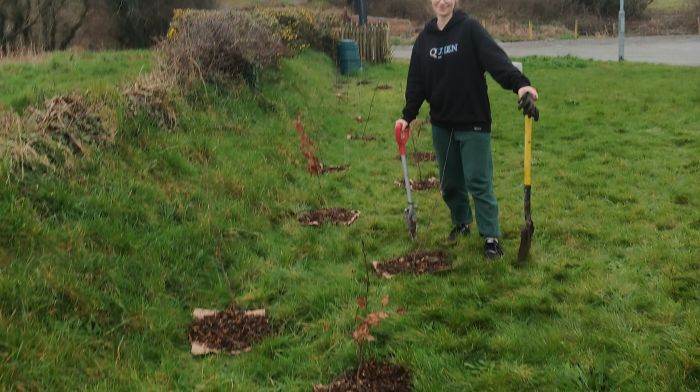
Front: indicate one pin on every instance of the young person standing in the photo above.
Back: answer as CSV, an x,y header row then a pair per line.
x,y
447,69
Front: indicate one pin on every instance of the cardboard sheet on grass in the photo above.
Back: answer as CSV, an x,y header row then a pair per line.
x,y
200,348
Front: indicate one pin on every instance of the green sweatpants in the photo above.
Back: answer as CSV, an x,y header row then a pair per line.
x,y
466,167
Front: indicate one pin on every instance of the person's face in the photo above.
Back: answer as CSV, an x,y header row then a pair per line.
x,y
443,8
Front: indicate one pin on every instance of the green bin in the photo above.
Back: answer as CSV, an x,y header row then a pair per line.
x,y
348,56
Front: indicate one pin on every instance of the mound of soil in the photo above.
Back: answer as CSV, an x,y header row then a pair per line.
x,y
232,331
421,185
421,156
336,216
373,377
417,263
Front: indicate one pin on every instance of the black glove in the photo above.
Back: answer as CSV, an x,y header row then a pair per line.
x,y
527,105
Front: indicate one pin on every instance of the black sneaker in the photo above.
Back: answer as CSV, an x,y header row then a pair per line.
x,y
462,229
492,249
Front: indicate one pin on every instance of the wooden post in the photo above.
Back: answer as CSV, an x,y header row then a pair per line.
x,y
576,29
698,25
529,29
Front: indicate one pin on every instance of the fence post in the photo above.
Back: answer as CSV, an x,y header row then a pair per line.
x,y
576,29
698,25
529,29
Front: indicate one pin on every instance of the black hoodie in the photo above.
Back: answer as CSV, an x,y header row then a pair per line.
x,y
448,70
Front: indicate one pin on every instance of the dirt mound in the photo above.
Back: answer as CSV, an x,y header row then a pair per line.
x,y
372,377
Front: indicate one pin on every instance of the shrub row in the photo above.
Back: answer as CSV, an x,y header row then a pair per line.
x,y
224,46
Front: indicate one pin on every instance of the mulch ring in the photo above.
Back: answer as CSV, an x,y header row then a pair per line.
x,y
364,138
421,185
421,156
373,377
325,169
232,331
417,263
331,215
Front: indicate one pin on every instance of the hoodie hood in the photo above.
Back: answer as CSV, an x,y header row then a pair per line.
x,y
457,17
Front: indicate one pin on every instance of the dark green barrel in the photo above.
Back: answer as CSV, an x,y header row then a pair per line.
x,y
348,56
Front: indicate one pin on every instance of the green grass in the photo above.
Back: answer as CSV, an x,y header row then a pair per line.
x,y
670,5
24,84
100,267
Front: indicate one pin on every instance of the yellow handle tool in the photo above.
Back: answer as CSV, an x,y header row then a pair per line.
x,y
528,229
528,151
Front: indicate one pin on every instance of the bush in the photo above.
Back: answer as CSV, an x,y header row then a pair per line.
x,y
554,10
301,28
219,46
633,8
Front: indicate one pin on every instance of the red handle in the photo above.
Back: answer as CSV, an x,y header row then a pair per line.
x,y
402,138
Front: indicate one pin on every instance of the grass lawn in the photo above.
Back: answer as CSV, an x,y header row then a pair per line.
x,y
101,266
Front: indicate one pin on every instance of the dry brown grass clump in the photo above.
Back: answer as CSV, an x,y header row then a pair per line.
x,y
50,137
20,148
219,46
152,95
72,121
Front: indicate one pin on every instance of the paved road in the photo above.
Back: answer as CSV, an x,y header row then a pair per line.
x,y
675,50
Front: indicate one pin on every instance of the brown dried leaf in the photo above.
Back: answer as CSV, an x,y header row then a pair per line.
x,y
385,300
361,332
375,318
361,302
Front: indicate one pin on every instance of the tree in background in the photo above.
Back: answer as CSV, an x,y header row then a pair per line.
x,y
44,24
53,24
142,22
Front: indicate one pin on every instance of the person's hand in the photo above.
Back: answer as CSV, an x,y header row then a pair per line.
x,y
404,124
526,103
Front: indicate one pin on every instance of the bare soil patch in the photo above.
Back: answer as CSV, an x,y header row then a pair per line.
x,y
337,216
417,263
325,169
421,185
372,377
232,331
418,156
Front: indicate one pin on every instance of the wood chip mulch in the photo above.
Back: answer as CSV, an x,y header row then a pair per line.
x,y
232,331
336,216
417,263
373,377
421,185
334,168
421,156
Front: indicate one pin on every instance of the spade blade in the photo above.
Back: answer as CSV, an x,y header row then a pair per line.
x,y
526,233
411,220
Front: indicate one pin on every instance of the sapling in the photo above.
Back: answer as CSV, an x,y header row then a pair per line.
x,y
313,164
362,334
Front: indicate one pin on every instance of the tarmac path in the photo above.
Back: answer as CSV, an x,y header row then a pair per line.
x,y
673,50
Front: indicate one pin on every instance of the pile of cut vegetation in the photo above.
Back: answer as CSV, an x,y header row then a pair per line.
x,y
49,137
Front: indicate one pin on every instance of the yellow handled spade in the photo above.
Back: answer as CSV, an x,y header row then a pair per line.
x,y
528,229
